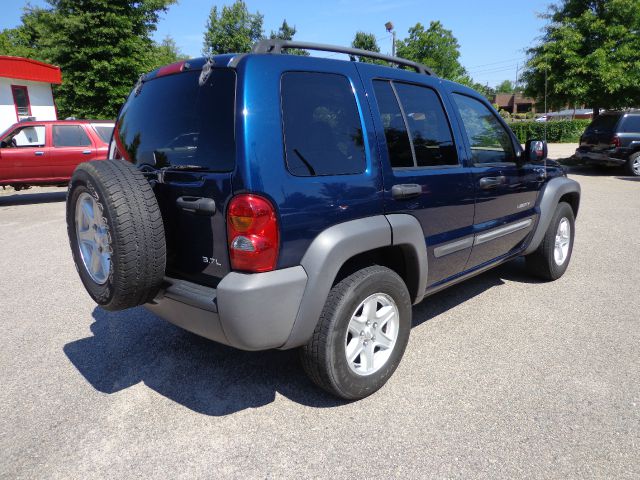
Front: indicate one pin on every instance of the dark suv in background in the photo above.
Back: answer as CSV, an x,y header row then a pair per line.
x,y
278,201
613,138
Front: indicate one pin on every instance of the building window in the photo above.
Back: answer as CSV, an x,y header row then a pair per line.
x,y
21,101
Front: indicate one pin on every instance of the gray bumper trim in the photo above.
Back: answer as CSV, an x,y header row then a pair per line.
x,y
247,311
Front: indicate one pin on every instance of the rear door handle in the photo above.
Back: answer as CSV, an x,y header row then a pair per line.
x,y
405,191
492,182
201,205
86,152
39,154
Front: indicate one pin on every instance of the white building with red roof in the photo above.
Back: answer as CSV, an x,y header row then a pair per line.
x,y
25,90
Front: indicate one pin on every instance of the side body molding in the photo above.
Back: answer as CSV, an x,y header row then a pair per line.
x,y
334,246
549,199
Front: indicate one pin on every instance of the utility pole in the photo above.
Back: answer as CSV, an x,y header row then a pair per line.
x,y
390,29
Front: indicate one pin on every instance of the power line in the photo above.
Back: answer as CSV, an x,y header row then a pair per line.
x,y
517,59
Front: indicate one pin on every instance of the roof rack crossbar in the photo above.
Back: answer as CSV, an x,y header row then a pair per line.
x,y
275,45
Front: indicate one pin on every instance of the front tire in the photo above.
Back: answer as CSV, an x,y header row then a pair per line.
x,y
361,335
552,257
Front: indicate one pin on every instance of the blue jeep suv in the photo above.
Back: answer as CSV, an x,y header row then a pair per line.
x,y
267,200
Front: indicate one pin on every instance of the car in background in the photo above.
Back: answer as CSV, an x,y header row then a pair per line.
x,y
613,138
47,152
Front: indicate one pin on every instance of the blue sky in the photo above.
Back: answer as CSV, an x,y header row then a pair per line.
x,y
493,34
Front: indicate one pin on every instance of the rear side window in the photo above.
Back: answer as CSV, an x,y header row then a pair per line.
x,y
395,129
321,124
419,113
70,136
173,121
103,131
490,142
631,124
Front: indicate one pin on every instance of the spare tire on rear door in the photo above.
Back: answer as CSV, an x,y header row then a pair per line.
x,y
116,233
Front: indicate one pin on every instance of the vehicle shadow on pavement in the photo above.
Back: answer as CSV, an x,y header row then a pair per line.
x,y
133,346
32,198
449,298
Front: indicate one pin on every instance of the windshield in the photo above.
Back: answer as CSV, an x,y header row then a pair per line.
x,y
604,122
174,122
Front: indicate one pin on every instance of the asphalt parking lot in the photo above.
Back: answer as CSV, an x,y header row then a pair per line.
x,y
504,377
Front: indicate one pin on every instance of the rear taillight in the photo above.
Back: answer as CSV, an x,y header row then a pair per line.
x,y
615,142
252,228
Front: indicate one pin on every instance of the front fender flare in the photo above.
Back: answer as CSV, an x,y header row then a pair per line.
x,y
550,196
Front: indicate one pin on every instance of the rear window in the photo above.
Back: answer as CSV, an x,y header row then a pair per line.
x,y
173,121
103,131
322,129
604,122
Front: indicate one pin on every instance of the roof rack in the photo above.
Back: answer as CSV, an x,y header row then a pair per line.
x,y
275,45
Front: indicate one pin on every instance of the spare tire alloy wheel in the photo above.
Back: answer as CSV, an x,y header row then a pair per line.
x,y
93,238
116,234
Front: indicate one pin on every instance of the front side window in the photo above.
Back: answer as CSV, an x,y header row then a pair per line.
x,y
490,142
21,137
321,124
21,101
70,136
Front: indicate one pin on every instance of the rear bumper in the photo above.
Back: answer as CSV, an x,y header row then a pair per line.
x,y
246,311
611,157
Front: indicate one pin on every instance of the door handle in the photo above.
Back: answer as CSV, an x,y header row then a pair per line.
x,y
201,205
86,152
492,182
39,154
405,191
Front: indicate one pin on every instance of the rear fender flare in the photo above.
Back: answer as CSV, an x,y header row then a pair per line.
x,y
337,244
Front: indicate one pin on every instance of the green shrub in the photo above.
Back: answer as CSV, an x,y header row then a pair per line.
x,y
558,131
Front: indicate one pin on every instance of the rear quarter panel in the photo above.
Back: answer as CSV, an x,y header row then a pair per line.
x,y
306,205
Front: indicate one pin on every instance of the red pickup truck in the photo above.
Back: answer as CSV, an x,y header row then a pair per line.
x,y
47,153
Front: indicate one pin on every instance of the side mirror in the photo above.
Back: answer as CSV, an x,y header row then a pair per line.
x,y
535,150
3,144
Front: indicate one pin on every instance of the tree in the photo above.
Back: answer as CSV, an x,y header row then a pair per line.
x,y
589,52
166,52
506,86
101,46
234,30
285,32
436,47
366,41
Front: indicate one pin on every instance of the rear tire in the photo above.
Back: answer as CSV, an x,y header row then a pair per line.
x,y
116,234
355,348
633,165
551,259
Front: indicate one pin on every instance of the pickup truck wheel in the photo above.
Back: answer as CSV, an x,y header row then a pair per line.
x,y
633,165
552,257
116,233
361,335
